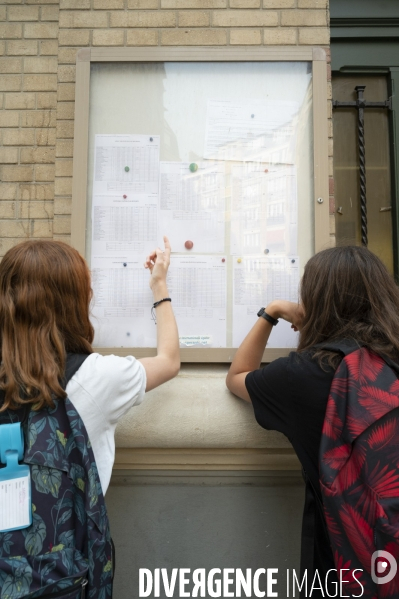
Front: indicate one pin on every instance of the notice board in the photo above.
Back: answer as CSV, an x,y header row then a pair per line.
x,y
225,152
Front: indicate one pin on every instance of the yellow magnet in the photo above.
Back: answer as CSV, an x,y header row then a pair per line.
x,y
239,260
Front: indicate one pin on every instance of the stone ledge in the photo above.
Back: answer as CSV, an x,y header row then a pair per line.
x,y
206,459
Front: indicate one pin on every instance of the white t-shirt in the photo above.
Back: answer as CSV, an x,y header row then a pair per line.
x,y
102,390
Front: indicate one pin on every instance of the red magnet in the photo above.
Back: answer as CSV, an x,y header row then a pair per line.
x,y
266,170
188,245
223,259
124,196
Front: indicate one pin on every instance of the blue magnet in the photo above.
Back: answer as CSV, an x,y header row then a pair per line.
x,y
151,139
292,261
125,264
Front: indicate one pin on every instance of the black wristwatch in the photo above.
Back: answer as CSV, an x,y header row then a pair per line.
x,y
267,317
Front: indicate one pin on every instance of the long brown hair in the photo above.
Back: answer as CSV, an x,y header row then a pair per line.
x,y
45,295
347,292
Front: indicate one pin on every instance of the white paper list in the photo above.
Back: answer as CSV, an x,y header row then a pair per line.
x,y
122,303
264,211
192,206
124,230
125,225
125,194
258,281
197,286
250,130
126,162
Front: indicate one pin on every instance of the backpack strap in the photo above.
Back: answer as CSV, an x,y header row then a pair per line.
x,y
347,346
391,363
343,346
73,363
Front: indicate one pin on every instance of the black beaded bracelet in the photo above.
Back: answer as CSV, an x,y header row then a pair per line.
x,y
165,299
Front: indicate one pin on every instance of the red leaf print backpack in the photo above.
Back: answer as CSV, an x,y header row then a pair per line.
x,y
359,470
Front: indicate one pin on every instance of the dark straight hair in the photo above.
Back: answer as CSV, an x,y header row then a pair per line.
x,y
348,293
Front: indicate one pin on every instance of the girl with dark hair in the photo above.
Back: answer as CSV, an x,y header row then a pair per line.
x,y
346,293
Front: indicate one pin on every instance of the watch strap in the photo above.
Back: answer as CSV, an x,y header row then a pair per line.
x,y
263,314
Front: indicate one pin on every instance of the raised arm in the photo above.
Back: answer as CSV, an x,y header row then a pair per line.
x,y
249,355
166,364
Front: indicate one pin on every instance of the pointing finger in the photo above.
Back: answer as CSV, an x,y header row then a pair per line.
x,y
167,246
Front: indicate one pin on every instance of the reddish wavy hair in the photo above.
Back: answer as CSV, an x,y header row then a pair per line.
x,y
45,295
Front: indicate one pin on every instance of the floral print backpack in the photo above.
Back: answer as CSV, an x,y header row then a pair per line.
x,y
67,551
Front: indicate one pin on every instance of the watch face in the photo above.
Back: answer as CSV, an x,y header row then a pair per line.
x,y
261,311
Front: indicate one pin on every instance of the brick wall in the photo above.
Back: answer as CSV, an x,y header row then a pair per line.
x,y
28,101
38,44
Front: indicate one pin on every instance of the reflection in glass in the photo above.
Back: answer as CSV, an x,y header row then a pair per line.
x,y
235,169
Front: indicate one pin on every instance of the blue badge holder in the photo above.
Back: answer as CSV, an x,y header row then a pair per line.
x,y
11,451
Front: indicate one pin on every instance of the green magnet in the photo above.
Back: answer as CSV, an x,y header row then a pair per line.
x,y
127,169
193,167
